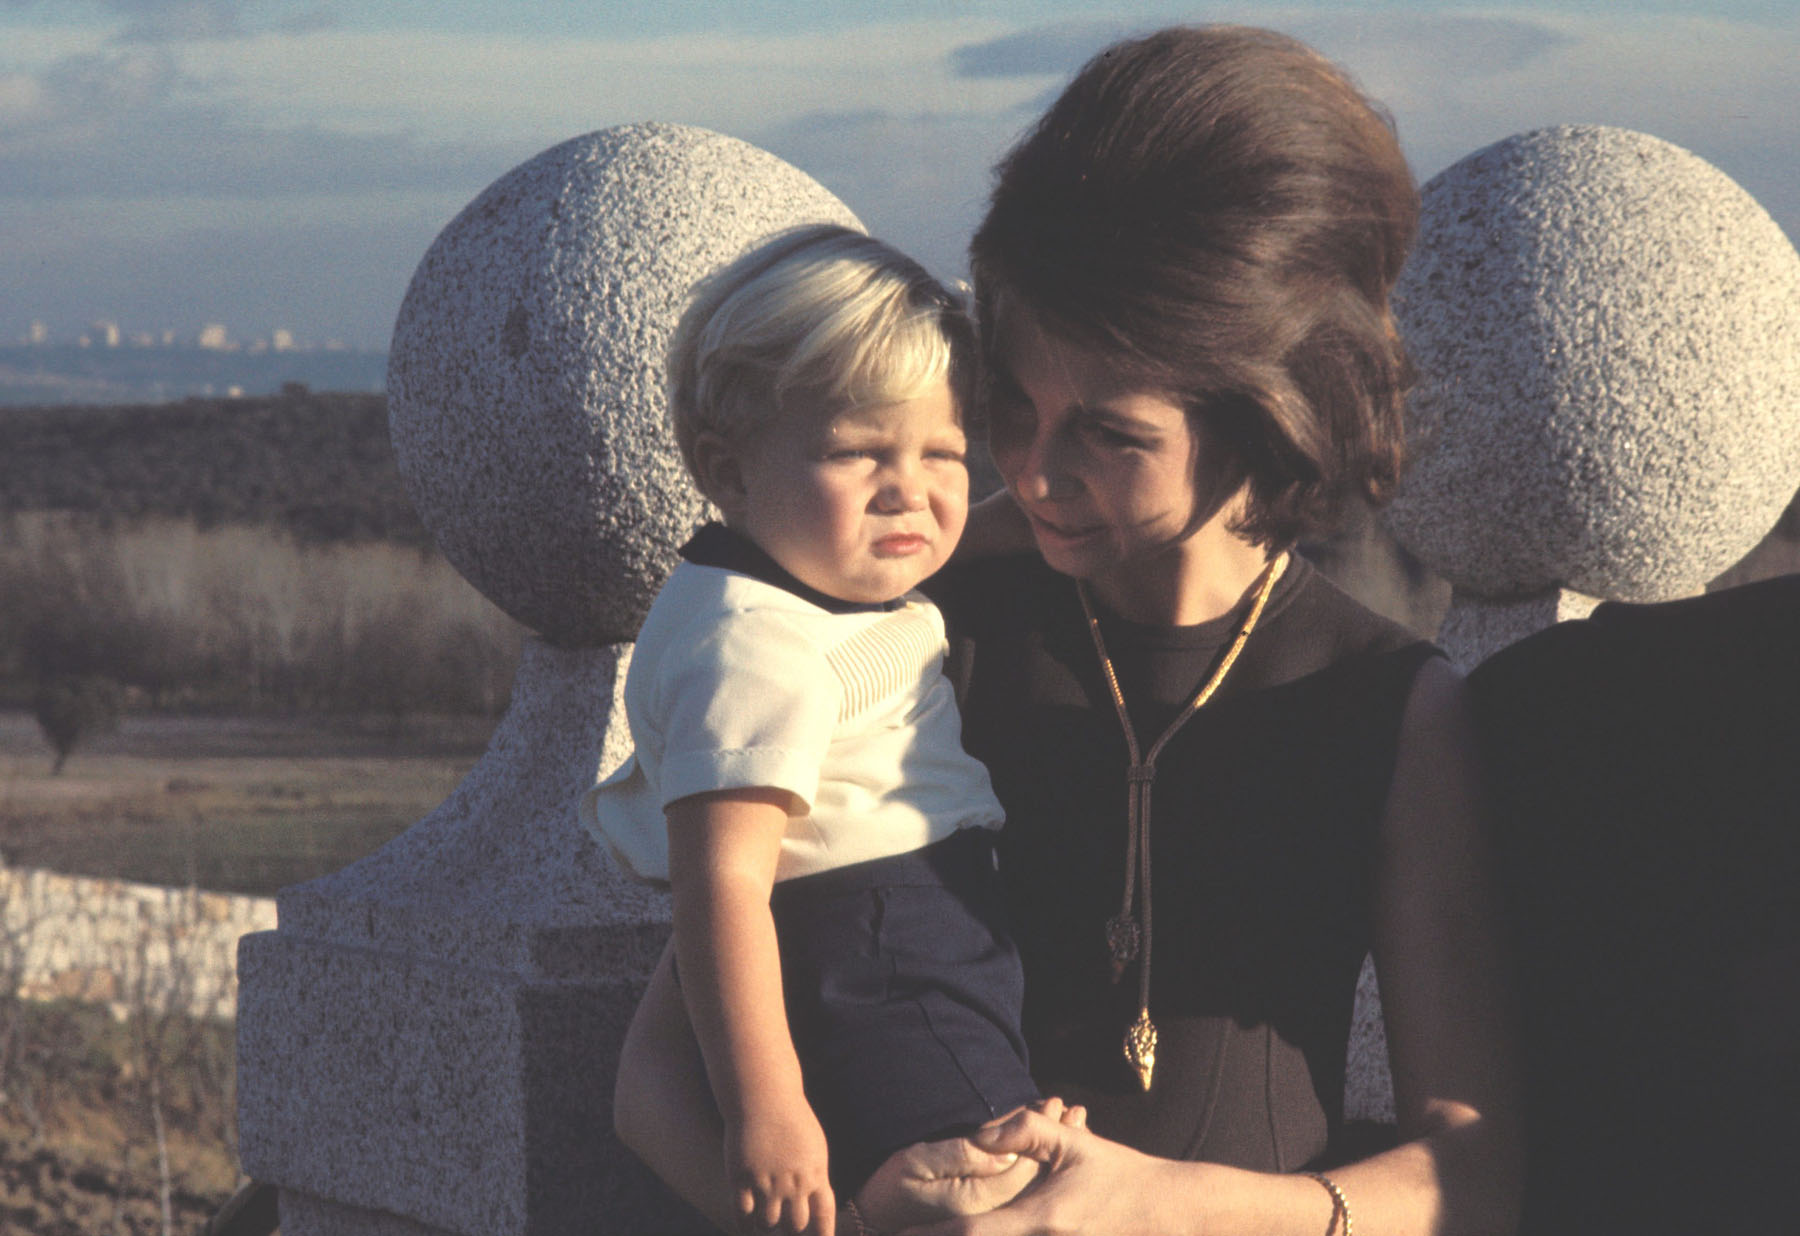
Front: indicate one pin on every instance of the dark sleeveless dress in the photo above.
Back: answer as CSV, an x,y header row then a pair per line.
x,y
1267,809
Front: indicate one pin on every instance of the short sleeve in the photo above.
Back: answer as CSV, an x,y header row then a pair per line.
x,y
749,702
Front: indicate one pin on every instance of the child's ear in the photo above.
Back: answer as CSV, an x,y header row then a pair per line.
x,y
720,472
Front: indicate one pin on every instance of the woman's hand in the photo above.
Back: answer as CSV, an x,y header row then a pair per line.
x,y
1087,1183
929,1181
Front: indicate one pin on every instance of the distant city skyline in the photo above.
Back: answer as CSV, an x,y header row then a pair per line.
x,y
208,336
267,165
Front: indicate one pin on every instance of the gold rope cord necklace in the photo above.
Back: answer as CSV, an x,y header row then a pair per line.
x,y
1128,932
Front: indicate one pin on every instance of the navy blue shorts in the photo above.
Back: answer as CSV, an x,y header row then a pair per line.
x,y
903,991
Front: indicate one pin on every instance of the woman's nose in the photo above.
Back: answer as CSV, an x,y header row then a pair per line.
x,y
1032,485
1040,475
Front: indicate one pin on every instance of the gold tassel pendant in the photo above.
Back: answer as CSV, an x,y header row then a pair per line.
x,y
1140,1047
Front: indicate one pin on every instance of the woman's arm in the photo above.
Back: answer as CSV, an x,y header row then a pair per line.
x,y
1439,957
723,849
1444,974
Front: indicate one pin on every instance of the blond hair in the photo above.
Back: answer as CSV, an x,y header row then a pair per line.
x,y
819,317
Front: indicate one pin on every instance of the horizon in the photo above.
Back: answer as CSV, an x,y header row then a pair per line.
x,y
283,164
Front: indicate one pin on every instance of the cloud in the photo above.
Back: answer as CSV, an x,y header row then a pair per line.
x,y
126,123
1445,45
541,88
1719,87
919,180
1455,43
328,267
1056,50
175,21
155,21
1724,89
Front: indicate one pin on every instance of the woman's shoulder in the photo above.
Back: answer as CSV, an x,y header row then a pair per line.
x,y
1326,626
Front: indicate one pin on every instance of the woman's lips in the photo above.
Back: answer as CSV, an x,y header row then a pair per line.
x,y
1059,533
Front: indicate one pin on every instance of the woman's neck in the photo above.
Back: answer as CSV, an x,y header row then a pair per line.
x,y
1198,580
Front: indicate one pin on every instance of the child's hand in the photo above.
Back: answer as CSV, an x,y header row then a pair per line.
x,y
777,1167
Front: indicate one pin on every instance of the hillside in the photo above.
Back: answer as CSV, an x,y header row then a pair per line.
x,y
67,373
316,465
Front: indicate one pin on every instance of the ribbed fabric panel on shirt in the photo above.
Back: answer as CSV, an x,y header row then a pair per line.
x,y
883,659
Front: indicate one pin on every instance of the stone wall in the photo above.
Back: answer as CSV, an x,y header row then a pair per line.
x,y
123,944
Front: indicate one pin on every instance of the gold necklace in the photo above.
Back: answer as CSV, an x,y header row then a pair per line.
x,y
1127,933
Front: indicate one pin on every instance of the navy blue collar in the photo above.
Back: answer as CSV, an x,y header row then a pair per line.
x,y
715,545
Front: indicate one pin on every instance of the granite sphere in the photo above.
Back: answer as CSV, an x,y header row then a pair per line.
x,y
1608,334
525,379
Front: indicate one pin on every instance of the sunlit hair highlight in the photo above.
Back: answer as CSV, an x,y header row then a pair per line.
x,y
820,318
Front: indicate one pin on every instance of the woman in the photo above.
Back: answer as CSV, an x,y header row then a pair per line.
x,y
1223,779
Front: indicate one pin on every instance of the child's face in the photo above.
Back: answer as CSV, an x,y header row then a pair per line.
x,y
859,504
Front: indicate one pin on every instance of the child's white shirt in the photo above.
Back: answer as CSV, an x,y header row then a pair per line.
x,y
736,683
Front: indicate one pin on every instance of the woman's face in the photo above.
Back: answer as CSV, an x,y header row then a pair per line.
x,y
1105,473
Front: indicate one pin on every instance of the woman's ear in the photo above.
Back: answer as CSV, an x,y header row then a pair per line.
x,y
720,472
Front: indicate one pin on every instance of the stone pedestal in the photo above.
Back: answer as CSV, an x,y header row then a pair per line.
x,y
433,1032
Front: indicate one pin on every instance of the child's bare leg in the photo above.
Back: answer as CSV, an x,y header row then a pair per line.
x,y
944,1179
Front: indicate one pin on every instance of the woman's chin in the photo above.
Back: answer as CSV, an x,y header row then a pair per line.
x,y
1082,559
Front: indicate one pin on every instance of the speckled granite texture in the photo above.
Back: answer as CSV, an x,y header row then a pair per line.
x,y
1608,332
1368,1082
525,383
432,1032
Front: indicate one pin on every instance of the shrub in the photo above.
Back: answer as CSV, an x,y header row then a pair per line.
x,y
72,707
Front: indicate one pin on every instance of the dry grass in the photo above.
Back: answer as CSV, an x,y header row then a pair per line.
x,y
247,616
78,1145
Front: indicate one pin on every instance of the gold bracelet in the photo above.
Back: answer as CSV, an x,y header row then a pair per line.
x,y
1340,1207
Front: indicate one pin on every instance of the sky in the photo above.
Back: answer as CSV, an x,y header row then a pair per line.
x,y
285,164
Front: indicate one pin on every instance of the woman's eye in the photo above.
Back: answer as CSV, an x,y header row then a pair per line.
x,y
1110,436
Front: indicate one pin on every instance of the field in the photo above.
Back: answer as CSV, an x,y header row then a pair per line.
x,y
233,804
302,678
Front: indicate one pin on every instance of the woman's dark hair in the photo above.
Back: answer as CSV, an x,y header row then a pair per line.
x,y
1221,214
